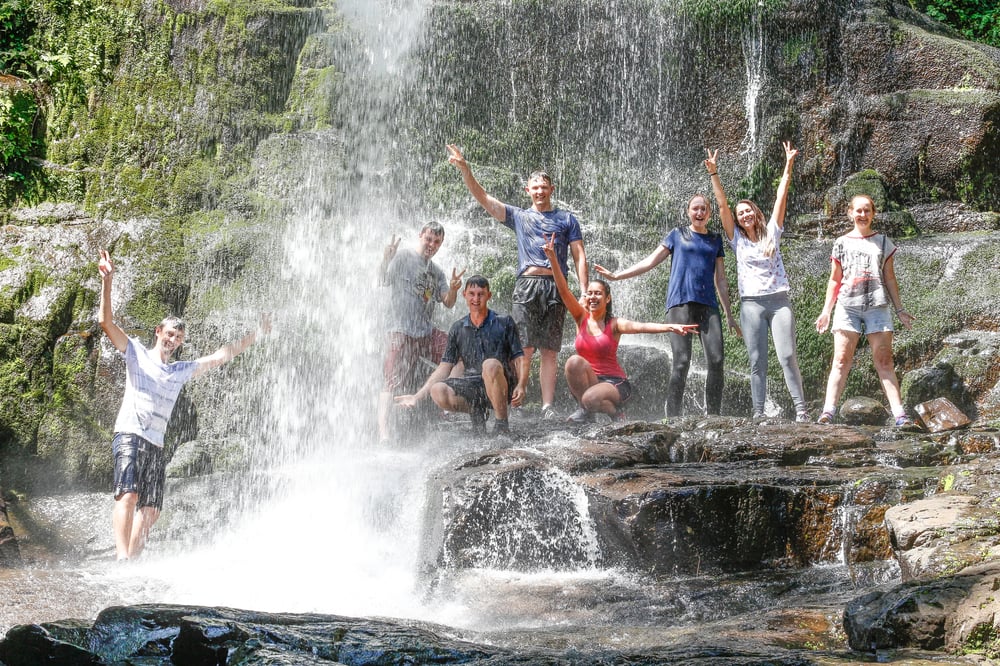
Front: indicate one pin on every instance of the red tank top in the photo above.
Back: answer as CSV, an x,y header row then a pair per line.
x,y
601,351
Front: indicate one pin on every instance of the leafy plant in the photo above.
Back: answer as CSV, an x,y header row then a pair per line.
x,y
978,20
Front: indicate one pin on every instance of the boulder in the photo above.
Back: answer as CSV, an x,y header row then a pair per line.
x,y
863,411
940,414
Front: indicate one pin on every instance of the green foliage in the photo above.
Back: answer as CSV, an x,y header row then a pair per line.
x,y
721,13
978,20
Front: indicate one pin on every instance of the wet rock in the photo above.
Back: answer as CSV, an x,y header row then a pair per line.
x,y
863,411
10,553
966,371
189,459
940,414
955,613
165,634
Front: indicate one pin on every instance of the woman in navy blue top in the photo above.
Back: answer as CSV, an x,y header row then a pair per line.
x,y
696,273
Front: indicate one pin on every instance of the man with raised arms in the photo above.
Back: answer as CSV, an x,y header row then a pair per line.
x,y
152,384
537,307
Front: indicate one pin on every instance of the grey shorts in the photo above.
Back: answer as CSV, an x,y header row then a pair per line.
x,y
139,468
856,320
538,311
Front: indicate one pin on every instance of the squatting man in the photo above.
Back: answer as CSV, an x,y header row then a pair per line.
x,y
152,384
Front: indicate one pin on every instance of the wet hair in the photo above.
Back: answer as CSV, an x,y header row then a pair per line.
x,y
477,281
708,202
760,226
173,322
850,204
607,292
434,227
540,174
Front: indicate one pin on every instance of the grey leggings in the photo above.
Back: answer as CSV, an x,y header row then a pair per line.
x,y
757,315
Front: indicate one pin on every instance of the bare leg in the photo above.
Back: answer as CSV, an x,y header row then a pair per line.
x,y
547,375
384,405
495,382
602,397
844,344
881,344
580,376
445,397
121,522
142,522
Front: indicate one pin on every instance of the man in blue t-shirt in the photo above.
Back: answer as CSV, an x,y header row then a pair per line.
x,y
496,369
537,307
152,385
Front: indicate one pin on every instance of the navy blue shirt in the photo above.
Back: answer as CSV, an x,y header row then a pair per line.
x,y
533,229
692,266
496,338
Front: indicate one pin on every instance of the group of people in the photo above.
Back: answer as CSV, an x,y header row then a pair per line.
x,y
483,362
862,289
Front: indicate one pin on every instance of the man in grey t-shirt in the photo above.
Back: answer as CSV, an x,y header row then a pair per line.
x,y
417,285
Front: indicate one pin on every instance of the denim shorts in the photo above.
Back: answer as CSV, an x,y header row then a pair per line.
x,y
139,468
853,320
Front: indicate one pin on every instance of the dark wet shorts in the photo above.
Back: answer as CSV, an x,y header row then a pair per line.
x,y
538,311
473,390
139,468
620,383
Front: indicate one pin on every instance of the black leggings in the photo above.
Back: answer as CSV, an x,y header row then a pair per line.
x,y
710,333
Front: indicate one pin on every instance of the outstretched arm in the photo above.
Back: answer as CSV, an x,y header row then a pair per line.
x,y
572,305
227,353
623,326
725,214
778,214
493,206
722,286
114,332
651,261
440,374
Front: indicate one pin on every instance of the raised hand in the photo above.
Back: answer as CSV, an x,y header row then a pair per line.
x,y
549,248
455,156
712,162
390,249
456,279
104,265
790,152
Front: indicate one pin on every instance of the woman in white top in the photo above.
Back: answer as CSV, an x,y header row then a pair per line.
x,y
863,287
763,283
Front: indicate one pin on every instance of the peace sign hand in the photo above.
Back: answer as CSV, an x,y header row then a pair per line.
x,y
549,248
456,279
790,152
104,265
712,162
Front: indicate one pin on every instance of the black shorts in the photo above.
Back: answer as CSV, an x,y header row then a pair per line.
x,y
139,468
620,383
538,311
473,390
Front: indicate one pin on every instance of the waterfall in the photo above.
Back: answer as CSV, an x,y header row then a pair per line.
x,y
752,41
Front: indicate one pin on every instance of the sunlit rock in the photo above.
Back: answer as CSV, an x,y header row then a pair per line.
x,y
940,414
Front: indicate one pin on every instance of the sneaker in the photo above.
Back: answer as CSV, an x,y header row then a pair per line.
x,y
478,420
803,417
548,413
580,416
826,418
501,428
758,416
904,421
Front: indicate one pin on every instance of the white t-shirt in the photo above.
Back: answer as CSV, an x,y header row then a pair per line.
x,y
861,261
757,274
151,389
